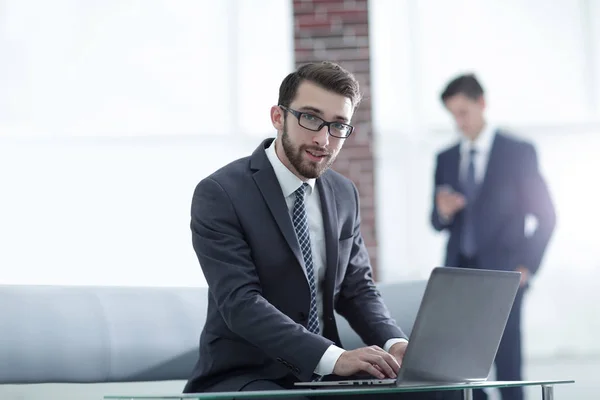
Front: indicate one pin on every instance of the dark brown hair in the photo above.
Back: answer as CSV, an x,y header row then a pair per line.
x,y
330,76
466,84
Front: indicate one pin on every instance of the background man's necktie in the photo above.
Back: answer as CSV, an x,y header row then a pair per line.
x,y
468,242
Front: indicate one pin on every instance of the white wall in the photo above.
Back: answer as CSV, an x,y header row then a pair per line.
x,y
538,61
110,113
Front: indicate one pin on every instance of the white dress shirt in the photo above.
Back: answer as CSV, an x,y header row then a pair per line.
x,y
482,145
289,184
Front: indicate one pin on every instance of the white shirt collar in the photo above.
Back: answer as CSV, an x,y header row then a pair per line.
x,y
483,143
287,180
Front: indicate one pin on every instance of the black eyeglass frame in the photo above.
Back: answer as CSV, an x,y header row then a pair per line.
x,y
298,115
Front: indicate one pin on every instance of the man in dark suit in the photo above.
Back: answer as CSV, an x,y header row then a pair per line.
x,y
485,186
277,235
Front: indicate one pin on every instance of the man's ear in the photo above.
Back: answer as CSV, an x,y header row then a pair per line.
x,y
277,118
481,102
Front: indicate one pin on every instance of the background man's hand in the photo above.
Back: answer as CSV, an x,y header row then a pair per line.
x,y
449,202
524,274
398,350
372,360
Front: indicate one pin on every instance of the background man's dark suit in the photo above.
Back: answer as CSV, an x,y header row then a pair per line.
x,y
259,295
512,187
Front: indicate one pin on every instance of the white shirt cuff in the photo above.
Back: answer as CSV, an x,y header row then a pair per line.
x,y
333,353
327,362
388,345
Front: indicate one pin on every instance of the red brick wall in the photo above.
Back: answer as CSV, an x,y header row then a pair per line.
x,y
338,30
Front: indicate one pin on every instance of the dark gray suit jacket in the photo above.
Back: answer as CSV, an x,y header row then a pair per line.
x,y
258,291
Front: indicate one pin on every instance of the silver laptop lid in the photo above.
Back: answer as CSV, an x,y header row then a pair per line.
x,y
459,325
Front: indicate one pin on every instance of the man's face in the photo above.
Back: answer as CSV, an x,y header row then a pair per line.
x,y
308,153
467,113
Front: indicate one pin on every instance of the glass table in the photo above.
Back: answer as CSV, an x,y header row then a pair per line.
x,y
467,389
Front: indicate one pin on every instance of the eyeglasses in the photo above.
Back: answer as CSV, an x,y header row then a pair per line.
x,y
314,123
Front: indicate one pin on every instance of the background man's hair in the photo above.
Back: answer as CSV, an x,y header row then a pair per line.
x,y
466,84
328,75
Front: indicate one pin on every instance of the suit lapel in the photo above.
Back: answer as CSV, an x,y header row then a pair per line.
x,y
330,225
454,169
271,191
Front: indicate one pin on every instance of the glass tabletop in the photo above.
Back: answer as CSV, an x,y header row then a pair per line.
x,y
341,390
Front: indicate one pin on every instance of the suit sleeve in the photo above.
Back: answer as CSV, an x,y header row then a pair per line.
x,y
359,301
536,200
226,261
437,221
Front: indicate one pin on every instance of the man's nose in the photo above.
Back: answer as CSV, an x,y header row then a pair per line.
x,y
321,137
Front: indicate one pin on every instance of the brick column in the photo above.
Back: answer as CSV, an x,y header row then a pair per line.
x,y
338,30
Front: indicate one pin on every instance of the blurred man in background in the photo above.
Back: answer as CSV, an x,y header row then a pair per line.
x,y
485,186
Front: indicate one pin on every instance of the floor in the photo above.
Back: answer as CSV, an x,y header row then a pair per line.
x,y
583,371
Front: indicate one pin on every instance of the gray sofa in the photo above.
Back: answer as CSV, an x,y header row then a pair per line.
x,y
68,334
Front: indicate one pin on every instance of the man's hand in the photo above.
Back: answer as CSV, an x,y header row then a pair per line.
x,y
524,274
398,350
449,202
373,360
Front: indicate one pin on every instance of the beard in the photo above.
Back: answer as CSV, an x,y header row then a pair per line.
x,y
296,155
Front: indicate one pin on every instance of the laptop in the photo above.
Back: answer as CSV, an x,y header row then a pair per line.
x,y
457,329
